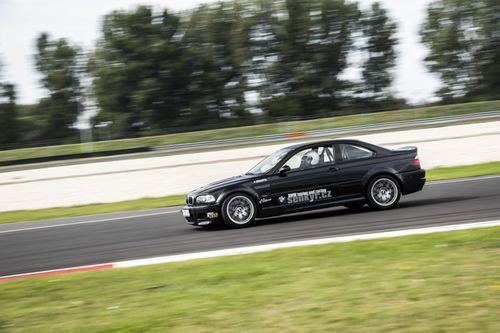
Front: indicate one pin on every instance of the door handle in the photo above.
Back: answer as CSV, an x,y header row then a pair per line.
x,y
333,169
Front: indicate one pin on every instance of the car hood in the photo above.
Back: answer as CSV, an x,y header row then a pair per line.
x,y
217,185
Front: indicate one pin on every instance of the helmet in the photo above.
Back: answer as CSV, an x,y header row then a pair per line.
x,y
311,158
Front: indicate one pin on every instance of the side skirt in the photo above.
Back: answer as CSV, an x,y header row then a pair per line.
x,y
273,211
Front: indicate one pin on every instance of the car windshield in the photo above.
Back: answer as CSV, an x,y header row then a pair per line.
x,y
268,163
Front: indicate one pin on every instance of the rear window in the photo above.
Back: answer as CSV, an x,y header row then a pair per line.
x,y
351,152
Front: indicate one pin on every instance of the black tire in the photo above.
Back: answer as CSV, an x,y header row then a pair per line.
x,y
355,205
239,210
383,192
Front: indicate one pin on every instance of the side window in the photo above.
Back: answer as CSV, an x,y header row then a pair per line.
x,y
298,161
351,152
311,158
327,155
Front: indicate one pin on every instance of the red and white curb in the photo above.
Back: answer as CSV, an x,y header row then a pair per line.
x,y
56,272
254,249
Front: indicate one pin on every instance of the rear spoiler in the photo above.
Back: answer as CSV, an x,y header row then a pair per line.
x,y
405,150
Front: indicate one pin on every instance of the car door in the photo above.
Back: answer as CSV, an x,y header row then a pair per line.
x,y
309,183
353,163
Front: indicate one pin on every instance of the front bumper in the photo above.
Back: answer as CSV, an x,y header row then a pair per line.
x,y
201,215
413,181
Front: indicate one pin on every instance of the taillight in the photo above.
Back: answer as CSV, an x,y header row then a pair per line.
x,y
416,161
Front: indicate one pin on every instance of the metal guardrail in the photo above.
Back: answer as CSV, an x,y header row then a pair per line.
x,y
242,142
32,160
335,132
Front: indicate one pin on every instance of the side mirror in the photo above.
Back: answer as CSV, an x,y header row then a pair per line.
x,y
284,169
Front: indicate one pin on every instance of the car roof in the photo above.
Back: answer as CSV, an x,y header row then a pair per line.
x,y
328,142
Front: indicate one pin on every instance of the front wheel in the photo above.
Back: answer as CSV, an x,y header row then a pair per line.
x,y
383,192
238,211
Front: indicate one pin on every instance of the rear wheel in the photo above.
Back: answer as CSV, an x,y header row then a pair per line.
x,y
383,192
238,211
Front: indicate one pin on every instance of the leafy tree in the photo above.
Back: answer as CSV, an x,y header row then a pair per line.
x,y
288,73
57,61
217,39
139,70
263,46
379,31
314,38
463,38
9,129
153,71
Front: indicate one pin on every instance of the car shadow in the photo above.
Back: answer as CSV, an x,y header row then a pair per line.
x,y
311,215
339,211
437,201
342,211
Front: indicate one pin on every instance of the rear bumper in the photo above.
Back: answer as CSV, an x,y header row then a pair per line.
x,y
201,215
413,181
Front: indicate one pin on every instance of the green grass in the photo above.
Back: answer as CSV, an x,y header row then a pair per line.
x,y
49,213
483,169
271,128
446,282
475,170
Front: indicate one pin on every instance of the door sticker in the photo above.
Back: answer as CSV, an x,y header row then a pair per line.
x,y
305,196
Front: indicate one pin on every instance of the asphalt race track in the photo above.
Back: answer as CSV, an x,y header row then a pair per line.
x,y
43,245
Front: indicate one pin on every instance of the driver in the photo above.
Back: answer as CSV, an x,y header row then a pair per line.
x,y
309,160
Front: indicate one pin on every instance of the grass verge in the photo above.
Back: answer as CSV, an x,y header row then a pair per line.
x,y
271,128
427,283
475,170
49,213
483,169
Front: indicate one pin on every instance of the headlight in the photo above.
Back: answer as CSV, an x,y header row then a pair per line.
x,y
205,199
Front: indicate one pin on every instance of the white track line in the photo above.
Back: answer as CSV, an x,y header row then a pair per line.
x,y
460,180
319,241
258,248
86,222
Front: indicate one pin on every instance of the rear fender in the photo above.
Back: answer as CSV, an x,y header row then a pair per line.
x,y
381,171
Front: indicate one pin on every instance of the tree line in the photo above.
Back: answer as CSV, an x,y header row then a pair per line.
x,y
247,61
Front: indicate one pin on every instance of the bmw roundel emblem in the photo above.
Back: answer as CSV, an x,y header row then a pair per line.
x,y
282,199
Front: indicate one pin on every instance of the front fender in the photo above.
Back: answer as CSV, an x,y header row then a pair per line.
x,y
247,190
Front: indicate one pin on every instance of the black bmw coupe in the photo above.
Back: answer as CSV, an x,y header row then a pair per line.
x,y
309,176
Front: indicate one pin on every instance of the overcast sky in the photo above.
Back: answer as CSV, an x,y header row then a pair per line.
x,y
21,21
